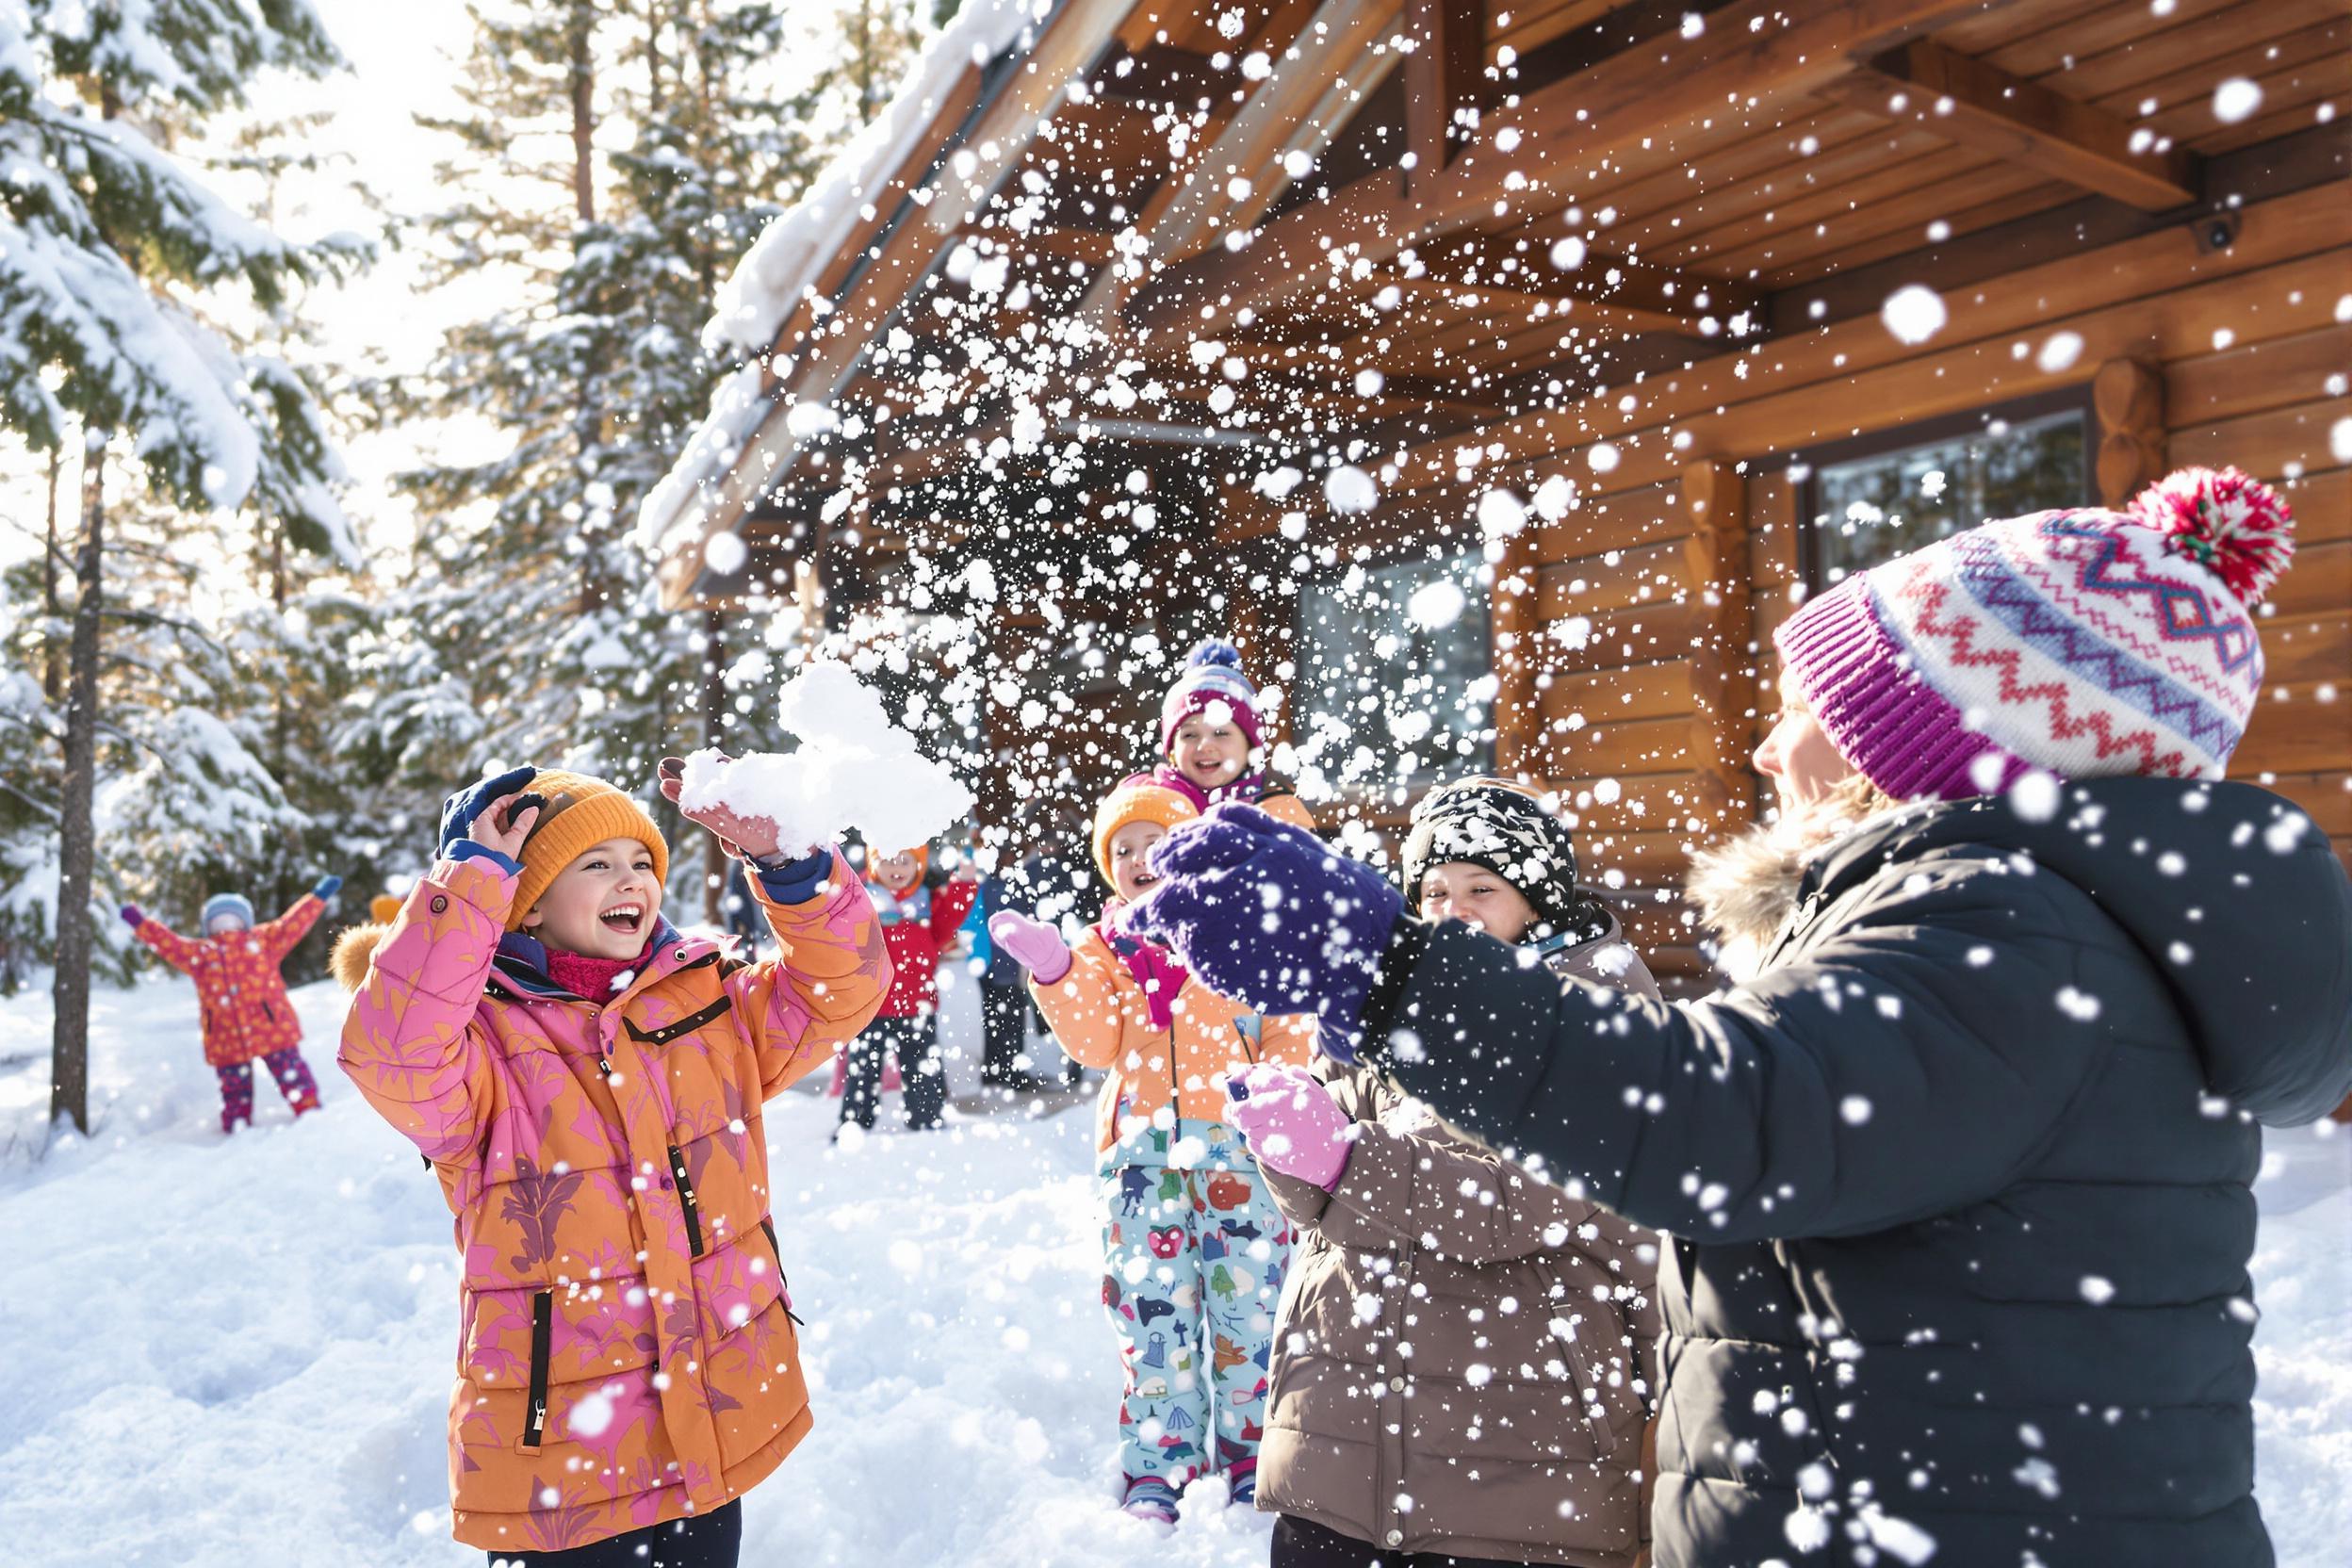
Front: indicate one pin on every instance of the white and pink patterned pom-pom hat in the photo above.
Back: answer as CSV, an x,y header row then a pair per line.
x,y
2084,642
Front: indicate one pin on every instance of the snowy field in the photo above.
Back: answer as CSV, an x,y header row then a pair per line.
x,y
225,1357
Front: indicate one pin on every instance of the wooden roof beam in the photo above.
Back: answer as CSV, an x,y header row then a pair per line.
x,y
1444,76
1978,105
1637,295
1555,138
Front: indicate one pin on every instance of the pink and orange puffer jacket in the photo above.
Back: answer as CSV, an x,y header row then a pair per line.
x,y
246,1012
627,1354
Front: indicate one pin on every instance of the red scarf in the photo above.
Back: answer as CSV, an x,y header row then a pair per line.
x,y
590,978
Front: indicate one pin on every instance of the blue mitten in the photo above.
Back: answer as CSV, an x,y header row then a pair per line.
x,y
1268,914
459,811
328,886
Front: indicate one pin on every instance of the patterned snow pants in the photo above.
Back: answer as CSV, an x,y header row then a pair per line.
x,y
287,1067
1193,1263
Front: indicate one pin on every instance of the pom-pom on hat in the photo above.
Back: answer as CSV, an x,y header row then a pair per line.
x,y
579,813
2084,642
228,904
1212,674
1134,803
384,908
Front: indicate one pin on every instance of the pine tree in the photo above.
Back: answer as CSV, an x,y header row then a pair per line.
x,y
598,372
111,252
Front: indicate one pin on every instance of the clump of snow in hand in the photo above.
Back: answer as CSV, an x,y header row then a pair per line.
x,y
854,769
1349,489
1914,313
2236,99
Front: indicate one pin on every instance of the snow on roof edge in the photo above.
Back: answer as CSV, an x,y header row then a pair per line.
x,y
785,261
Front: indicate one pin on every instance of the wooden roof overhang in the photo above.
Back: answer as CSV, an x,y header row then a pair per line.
x,y
1482,243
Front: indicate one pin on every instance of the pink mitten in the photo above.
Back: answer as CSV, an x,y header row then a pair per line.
x,y
1290,1122
1035,945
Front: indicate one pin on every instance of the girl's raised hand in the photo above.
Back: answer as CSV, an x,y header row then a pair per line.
x,y
741,837
503,828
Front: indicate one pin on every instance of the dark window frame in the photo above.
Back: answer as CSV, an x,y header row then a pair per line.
x,y
1408,546
1923,433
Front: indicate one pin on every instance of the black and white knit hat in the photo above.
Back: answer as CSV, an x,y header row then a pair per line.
x,y
1508,830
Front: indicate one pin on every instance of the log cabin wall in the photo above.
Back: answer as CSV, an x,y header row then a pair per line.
x,y
1287,232
1671,575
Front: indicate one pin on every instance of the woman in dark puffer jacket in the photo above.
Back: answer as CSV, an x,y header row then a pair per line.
x,y
1959,1181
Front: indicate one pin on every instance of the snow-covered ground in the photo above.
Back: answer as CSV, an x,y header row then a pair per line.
x,y
235,1355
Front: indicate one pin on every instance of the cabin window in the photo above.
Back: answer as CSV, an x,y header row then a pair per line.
x,y
1872,505
1395,686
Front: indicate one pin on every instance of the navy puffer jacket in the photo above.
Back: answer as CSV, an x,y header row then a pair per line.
x,y
1959,1184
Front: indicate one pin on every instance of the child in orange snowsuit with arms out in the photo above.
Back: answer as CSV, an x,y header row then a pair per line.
x,y
587,1084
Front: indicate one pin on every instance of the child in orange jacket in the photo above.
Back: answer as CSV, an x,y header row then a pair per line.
x,y
245,1011
918,924
587,1083
1194,1248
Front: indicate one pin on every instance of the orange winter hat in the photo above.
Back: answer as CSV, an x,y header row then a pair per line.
x,y
580,813
384,908
1134,803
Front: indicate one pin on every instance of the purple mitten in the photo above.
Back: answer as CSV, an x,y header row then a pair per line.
x,y
1290,1122
1035,945
132,916
1266,913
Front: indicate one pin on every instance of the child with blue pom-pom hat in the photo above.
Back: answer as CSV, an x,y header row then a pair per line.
x,y
247,1015
1210,739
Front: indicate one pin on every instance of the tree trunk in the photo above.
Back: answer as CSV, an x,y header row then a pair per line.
x,y
583,114
586,424
713,734
51,655
69,1050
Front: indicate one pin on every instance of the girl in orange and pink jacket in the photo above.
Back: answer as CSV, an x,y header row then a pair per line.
x,y
587,1084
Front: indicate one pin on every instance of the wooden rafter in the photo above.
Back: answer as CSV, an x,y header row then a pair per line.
x,y
1978,105
1444,76
1532,158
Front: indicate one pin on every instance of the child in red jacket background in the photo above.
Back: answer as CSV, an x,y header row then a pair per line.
x,y
918,925
241,994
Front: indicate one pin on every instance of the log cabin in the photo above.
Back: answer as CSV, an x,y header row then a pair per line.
x,y
1536,357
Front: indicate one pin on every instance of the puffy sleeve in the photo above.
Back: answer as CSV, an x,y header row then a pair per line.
x,y
412,1041
829,977
1902,1066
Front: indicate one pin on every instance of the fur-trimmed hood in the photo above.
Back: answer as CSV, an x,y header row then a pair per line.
x,y
352,950
1746,889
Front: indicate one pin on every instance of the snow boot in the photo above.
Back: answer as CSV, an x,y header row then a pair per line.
x,y
1151,1500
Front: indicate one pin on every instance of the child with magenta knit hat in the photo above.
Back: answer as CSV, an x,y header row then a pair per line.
x,y
1959,1177
1194,1250
587,1083
246,1012
1210,739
